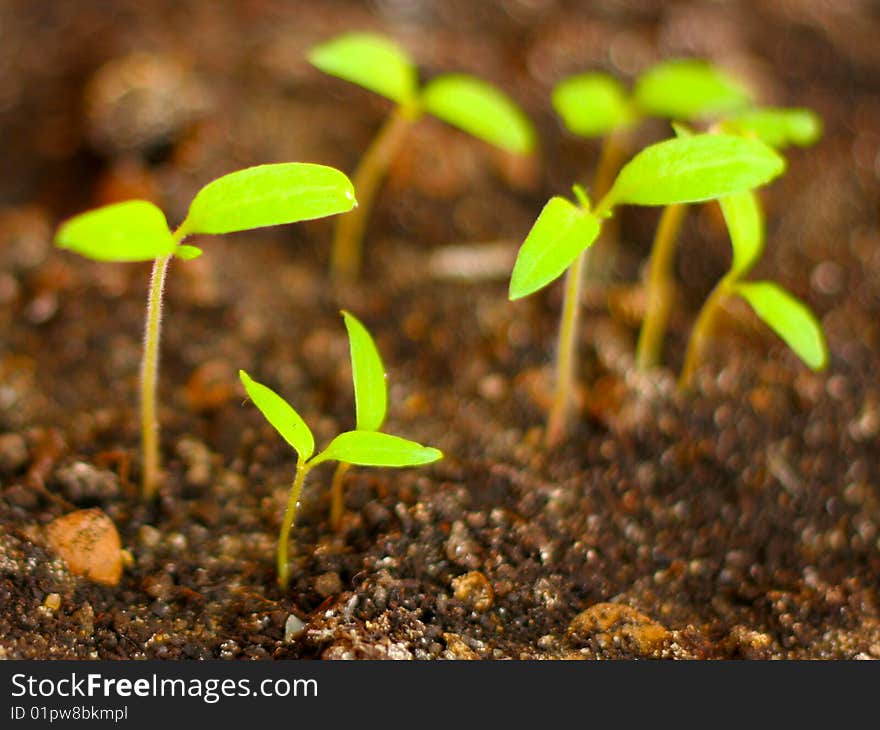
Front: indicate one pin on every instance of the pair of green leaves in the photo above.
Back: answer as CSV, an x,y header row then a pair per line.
x,y
595,104
464,101
265,195
687,169
786,315
365,446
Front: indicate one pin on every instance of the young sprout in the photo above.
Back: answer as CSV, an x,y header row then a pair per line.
x,y
466,102
788,317
682,170
776,127
368,447
136,230
596,104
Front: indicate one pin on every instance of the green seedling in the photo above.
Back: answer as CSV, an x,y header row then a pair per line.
x,y
596,104
136,230
466,102
683,170
776,127
361,447
787,316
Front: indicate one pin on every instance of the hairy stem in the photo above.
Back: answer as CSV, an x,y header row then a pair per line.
x,y
660,287
337,500
349,233
149,373
302,470
702,331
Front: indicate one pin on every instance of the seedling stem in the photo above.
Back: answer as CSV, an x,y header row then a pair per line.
x,y
302,469
348,238
557,420
337,501
701,332
660,287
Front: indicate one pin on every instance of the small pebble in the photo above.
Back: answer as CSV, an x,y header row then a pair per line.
x,y
474,589
87,540
52,602
293,628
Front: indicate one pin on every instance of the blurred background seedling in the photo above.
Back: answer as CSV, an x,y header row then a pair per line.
x,y
776,127
380,65
786,315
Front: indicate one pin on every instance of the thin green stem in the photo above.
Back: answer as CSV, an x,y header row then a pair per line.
x,y
613,150
349,233
604,251
702,331
566,352
660,287
337,500
302,469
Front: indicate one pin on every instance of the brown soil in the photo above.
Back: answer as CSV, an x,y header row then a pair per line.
x,y
738,520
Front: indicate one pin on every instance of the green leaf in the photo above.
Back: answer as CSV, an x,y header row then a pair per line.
x,y
368,374
777,127
131,231
693,169
281,415
372,448
479,109
557,238
269,195
187,253
685,89
745,224
592,104
371,61
789,318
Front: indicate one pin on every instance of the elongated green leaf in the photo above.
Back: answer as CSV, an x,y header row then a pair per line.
x,y
131,231
559,235
269,195
693,169
281,415
688,89
592,104
777,127
789,318
368,374
479,109
372,448
745,224
371,61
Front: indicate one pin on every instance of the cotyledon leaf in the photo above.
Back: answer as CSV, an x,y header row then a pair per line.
x,y
372,448
281,415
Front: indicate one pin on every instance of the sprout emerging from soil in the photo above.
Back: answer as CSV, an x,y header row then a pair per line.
x,y
365,446
687,169
466,102
776,127
136,230
787,316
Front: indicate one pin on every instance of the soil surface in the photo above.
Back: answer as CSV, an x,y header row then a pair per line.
x,y
738,520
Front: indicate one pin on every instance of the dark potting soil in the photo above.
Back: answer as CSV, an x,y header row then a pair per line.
x,y
737,520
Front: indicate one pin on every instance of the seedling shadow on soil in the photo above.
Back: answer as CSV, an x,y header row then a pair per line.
x,y
739,519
